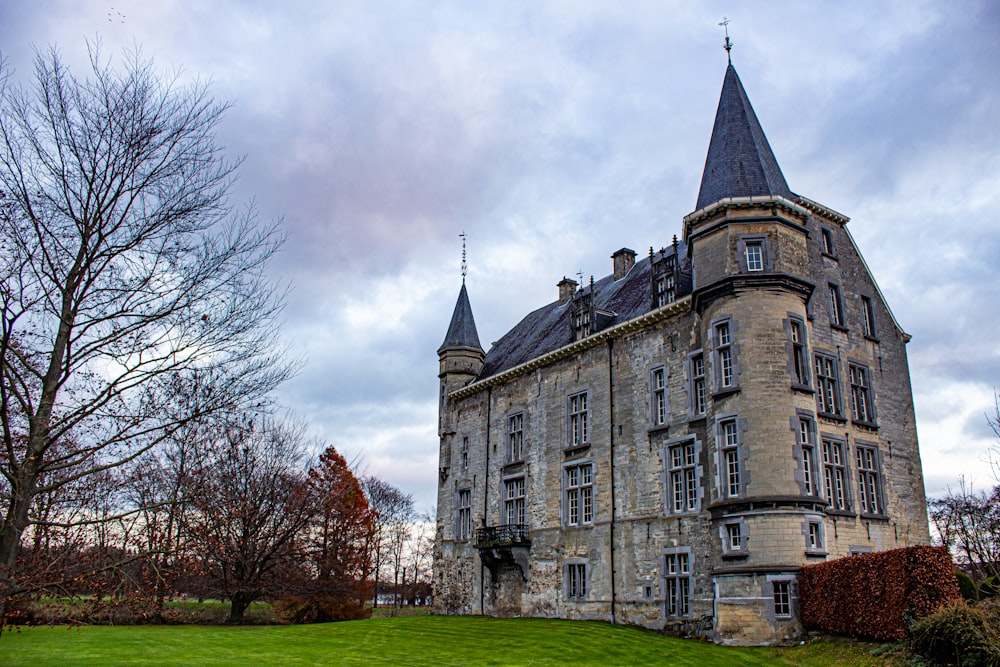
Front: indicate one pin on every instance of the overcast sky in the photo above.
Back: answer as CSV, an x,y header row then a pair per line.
x,y
554,133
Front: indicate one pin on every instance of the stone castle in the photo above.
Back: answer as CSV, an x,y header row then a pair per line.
x,y
668,445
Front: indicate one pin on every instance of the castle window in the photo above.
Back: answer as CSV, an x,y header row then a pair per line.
x,y
827,386
582,323
465,453
682,477
697,385
729,446
827,240
862,406
800,354
463,515
734,536
835,475
807,438
814,537
868,311
578,434
579,494
754,253
513,500
666,290
724,366
575,576
677,583
782,597
869,480
836,306
658,399
515,437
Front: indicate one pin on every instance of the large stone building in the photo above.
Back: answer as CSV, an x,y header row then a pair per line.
x,y
668,445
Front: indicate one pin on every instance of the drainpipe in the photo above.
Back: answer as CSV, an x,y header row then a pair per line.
x,y
611,413
486,497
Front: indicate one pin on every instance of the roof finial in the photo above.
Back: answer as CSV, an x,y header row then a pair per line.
x,y
729,43
465,264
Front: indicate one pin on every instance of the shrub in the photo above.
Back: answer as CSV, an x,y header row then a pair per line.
x,y
958,634
872,595
967,587
321,609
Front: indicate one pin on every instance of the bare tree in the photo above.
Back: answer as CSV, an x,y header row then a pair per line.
x,y
249,506
968,523
124,273
393,515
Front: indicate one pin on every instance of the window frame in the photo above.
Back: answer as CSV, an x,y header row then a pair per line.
x,y
463,515
835,306
828,386
729,443
578,494
868,323
682,470
577,416
827,245
665,289
815,536
576,579
871,489
798,364
862,395
804,427
464,453
516,502
755,259
726,371
697,385
782,603
515,437
735,536
676,571
659,408
836,487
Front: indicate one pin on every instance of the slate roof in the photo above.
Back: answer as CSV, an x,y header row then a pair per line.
x,y
462,330
549,328
740,162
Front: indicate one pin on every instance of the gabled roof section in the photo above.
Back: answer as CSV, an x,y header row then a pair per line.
x,y
740,162
462,330
548,328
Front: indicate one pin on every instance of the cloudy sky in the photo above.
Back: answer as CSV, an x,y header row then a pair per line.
x,y
554,133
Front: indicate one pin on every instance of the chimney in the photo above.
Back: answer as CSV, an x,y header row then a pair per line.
x,y
567,288
624,260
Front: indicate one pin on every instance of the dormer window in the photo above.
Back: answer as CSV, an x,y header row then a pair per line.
x,y
583,315
666,290
582,324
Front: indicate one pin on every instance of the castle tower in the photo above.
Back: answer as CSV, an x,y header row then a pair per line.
x,y
460,355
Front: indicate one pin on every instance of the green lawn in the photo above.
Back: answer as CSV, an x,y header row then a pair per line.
x,y
413,640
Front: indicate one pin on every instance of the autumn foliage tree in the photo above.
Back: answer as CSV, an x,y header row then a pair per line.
x,y
249,506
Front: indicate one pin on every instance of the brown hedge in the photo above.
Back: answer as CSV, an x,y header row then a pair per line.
x,y
867,596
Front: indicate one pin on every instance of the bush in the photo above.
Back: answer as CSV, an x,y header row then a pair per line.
x,y
958,634
967,587
321,609
873,595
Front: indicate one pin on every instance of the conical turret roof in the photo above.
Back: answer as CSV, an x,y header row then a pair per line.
x,y
740,162
462,330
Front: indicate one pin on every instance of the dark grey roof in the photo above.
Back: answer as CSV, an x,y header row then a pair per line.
x,y
549,328
462,330
740,162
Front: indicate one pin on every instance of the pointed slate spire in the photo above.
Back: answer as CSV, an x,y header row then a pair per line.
x,y
462,330
740,162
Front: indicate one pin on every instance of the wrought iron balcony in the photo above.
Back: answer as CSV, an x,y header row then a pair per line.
x,y
508,535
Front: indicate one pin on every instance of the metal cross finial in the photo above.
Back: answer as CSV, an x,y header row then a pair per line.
x,y
729,43
465,264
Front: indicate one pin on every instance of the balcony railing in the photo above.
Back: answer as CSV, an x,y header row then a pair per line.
x,y
508,535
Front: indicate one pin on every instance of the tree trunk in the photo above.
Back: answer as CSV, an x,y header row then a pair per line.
x,y
239,604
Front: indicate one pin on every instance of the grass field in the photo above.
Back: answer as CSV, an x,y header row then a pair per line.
x,y
413,640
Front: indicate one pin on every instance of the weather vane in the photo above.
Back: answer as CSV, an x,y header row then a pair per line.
x,y
729,42
465,264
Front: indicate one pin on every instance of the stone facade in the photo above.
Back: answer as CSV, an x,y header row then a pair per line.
x,y
667,446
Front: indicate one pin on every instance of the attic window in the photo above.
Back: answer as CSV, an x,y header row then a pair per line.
x,y
582,323
666,290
